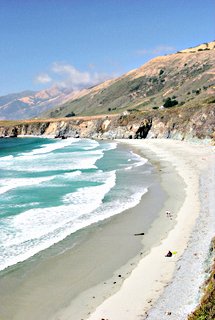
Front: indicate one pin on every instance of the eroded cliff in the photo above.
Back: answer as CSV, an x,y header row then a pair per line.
x,y
184,123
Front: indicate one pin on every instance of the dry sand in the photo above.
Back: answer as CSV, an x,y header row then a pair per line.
x,y
138,293
55,287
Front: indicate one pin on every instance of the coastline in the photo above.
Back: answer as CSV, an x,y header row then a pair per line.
x,y
112,286
46,284
154,272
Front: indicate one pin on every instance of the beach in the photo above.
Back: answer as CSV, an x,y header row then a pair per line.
x,y
138,297
112,274
91,263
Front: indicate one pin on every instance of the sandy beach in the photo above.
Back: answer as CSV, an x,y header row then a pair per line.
x,y
78,273
168,280
109,273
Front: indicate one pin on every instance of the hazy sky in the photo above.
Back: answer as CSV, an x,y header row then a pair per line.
x,y
79,43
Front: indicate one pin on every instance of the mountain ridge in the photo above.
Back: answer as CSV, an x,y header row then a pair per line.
x,y
183,75
29,104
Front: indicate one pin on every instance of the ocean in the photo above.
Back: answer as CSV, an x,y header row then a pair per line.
x,y
50,189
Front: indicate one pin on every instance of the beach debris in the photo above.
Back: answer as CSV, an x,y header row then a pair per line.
x,y
168,313
174,252
119,276
169,254
139,234
168,214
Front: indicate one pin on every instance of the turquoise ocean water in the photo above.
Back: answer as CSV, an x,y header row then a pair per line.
x,y
51,188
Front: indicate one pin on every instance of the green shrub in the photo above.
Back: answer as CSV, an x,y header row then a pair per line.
x,y
161,72
170,103
71,114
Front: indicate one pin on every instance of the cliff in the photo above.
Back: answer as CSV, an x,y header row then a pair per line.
x,y
168,97
187,122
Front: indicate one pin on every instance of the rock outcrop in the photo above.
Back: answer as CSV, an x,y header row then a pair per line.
x,y
184,123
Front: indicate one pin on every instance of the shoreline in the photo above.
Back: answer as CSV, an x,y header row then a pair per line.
x,y
157,231
45,285
128,287
137,296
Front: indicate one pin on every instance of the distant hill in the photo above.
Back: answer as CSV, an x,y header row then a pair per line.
x,y
29,104
176,79
180,78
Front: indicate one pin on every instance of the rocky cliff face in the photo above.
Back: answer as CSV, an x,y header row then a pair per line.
x,y
185,123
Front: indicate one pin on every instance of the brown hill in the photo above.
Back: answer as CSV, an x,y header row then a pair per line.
x,y
29,104
184,76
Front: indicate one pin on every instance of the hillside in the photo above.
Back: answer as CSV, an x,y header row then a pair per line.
x,y
29,104
188,75
189,122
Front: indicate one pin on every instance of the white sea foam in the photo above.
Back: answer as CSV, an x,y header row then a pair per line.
x,y
33,230
47,148
91,144
31,204
51,162
111,146
88,194
98,176
71,175
139,161
128,168
50,225
5,158
8,184
81,218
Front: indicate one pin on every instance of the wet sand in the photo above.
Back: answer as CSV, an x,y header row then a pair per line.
x,y
92,267
171,279
73,277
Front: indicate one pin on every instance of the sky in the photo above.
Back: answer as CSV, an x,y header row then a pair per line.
x,y
79,43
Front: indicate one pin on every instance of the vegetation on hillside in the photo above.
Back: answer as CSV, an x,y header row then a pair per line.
x,y
164,81
206,308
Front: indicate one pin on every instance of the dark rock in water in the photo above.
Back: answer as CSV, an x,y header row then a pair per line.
x,y
59,136
139,234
